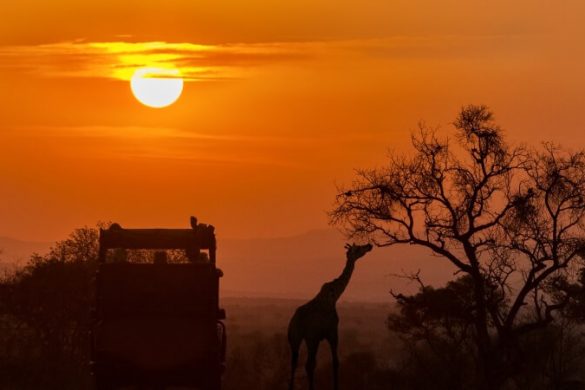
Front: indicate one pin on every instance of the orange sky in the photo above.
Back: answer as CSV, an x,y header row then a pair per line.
x,y
283,100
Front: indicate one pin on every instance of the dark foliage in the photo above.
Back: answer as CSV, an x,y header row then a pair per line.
x,y
45,317
507,217
44,340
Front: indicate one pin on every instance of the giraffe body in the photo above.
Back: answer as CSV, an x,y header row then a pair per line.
x,y
317,320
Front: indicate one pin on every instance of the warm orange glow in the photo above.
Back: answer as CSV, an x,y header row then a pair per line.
x,y
279,105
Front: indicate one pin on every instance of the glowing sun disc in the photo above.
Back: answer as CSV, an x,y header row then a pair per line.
x,y
156,87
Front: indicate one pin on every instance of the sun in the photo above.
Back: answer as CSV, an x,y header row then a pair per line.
x,y
156,87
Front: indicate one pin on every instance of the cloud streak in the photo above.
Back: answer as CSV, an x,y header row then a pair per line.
x,y
119,60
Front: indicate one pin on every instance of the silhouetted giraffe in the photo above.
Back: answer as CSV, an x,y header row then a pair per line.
x,y
317,320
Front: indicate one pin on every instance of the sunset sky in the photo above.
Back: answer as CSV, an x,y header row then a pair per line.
x,y
282,101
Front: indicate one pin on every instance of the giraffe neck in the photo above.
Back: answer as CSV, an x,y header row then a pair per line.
x,y
338,285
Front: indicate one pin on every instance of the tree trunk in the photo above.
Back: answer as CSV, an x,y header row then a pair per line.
x,y
484,348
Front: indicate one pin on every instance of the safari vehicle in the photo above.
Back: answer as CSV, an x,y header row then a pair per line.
x,y
158,324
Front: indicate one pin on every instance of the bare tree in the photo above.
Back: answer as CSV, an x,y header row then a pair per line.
x,y
508,217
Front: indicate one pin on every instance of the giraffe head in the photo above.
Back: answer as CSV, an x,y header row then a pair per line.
x,y
354,252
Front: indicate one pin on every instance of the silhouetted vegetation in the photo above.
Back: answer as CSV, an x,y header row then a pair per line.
x,y
508,218
44,343
45,317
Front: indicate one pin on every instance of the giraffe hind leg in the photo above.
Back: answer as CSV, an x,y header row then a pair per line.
x,y
294,359
334,359
312,347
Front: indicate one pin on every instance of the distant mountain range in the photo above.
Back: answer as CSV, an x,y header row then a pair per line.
x,y
17,249
294,267
297,266
15,253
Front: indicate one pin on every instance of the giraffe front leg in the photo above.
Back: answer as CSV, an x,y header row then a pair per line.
x,y
312,348
293,366
333,341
